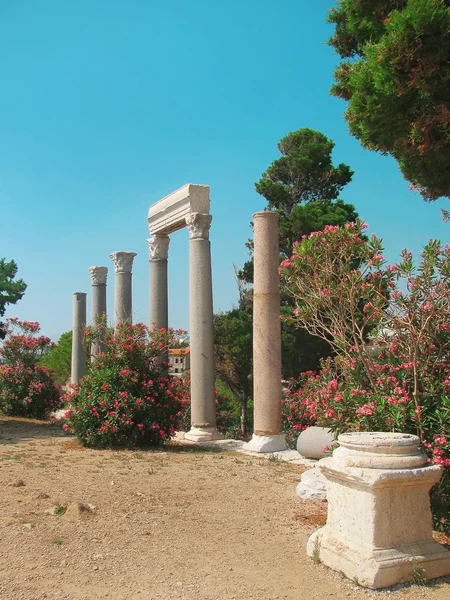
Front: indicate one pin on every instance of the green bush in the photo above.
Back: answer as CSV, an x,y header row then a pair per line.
x,y
125,399
26,388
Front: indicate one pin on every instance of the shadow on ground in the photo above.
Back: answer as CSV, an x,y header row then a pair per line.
x,y
16,429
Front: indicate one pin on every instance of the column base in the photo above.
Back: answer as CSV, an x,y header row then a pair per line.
x,y
203,434
266,443
377,568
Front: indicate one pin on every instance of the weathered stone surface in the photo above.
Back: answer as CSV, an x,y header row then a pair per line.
x,y
169,214
78,361
266,337
312,486
266,443
312,441
98,275
201,331
198,225
123,261
379,526
158,247
123,300
188,206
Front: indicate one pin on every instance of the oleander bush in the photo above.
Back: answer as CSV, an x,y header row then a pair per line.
x,y
126,398
389,327
26,388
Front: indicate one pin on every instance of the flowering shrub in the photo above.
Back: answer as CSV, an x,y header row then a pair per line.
x,y
126,399
400,382
26,388
227,420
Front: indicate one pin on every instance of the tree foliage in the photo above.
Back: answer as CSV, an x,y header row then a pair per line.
x,y
58,360
396,78
233,355
10,291
303,186
304,172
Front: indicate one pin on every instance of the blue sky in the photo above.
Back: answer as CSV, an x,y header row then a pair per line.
x,y
108,106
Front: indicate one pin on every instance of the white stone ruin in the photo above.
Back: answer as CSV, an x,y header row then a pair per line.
x,y
188,207
379,528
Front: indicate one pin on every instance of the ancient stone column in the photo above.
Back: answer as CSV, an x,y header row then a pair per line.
x,y
98,279
379,528
267,386
158,249
123,305
203,408
78,366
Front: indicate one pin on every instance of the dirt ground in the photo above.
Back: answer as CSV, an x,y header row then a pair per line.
x,y
177,524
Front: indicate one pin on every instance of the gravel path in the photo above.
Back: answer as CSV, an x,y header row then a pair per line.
x,y
179,524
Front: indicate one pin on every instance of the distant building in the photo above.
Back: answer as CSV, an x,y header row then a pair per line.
x,y
179,361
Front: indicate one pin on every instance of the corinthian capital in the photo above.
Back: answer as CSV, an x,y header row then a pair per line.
x,y
98,275
198,225
158,247
123,261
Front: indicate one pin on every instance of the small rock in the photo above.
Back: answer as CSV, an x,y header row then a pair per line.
x,y
87,507
95,568
28,526
39,495
18,483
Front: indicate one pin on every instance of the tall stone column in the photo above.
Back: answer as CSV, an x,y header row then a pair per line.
x,y
123,305
78,366
203,407
98,279
158,249
267,435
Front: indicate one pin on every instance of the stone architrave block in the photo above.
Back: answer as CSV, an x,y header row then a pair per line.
x,y
169,214
379,528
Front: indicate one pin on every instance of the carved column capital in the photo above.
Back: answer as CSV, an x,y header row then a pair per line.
x,y
123,261
98,275
198,225
158,247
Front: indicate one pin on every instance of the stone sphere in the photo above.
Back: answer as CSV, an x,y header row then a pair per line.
x,y
312,441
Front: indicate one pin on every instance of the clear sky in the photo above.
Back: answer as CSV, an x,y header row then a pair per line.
x,y
108,105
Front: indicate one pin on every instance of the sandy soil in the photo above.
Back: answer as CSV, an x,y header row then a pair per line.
x,y
183,524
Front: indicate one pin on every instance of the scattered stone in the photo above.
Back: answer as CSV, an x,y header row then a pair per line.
x,y
28,526
39,495
312,441
18,483
87,507
312,485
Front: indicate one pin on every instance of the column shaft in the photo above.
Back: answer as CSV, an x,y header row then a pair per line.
x,y
159,312
203,407
123,305
266,336
98,277
78,365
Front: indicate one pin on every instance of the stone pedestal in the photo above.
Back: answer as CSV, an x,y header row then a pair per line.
x,y
123,305
267,436
98,277
203,408
78,364
379,529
